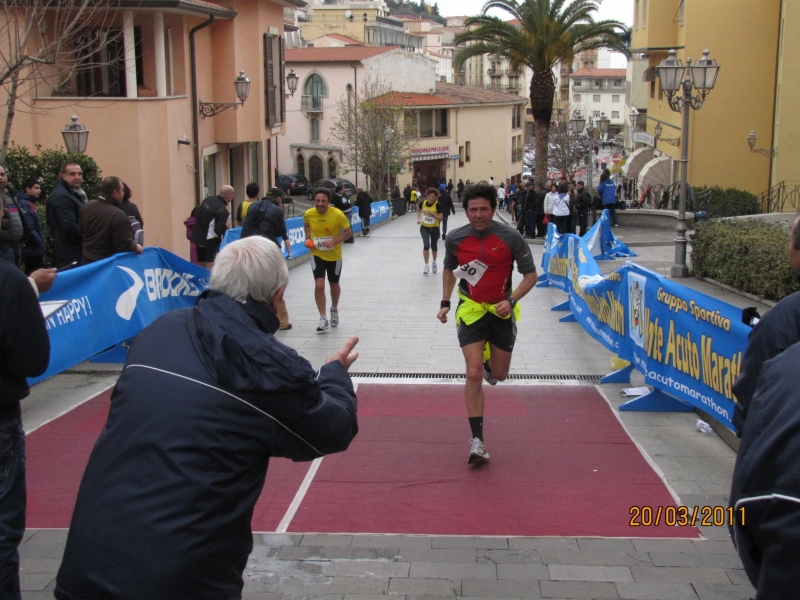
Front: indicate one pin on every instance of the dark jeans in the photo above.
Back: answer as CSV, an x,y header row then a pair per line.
x,y
12,504
561,223
573,222
541,228
583,221
365,225
7,255
444,224
530,223
612,212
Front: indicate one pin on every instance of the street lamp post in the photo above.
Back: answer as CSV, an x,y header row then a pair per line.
x,y
76,136
674,78
212,109
388,136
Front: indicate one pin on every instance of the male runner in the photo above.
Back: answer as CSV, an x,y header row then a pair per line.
x,y
482,256
327,227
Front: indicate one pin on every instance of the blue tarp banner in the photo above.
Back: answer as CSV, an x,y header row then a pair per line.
x,y
112,300
686,344
297,236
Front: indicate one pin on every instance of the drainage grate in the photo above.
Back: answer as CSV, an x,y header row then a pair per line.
x,y
513,377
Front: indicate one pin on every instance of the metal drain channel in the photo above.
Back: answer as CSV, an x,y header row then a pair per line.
x,y
514,376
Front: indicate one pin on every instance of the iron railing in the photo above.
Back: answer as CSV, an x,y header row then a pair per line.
x,y
780,197
311,104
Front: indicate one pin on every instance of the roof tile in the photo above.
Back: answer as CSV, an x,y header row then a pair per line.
x,y
345,54
449,94
599,73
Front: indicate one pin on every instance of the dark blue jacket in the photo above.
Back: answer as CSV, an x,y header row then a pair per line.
x,y
63,207
206,398
608,192
766,481
35,244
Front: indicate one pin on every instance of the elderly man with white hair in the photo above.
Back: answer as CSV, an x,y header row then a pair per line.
x,y
207,396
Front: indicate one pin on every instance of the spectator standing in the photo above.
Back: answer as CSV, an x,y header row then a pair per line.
x,y
252,190
338,200
165,513
459,189
24,352
34,249
529,219
407,196
128,207
583,202
446,204
396,195
560,208
501,196
773,334
105,229
63,206
18,227
211,223
364,204
265,218
549,201
608,194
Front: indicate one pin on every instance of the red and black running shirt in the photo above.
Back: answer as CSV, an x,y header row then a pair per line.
x,y
498,248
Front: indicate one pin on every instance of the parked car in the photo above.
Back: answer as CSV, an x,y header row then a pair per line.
x,y
292,184
349,188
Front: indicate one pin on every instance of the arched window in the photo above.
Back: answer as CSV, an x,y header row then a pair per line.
x,y
314,129
316,88
301,165
332,167
315,169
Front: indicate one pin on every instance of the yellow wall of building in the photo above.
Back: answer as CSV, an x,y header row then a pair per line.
x,y
786,166
742,36
317,29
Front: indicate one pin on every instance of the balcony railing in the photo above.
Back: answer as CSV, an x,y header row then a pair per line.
x,y
311,104
516,155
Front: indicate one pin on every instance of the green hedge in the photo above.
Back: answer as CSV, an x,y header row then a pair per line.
x,y
748,254
724,202
21,165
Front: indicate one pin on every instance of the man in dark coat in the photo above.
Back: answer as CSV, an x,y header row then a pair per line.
x,y
34,249
63,206
777,331
211,223
765,491
18,232
446,204
207,396
105,229
583,202
24,352
364,204
338,200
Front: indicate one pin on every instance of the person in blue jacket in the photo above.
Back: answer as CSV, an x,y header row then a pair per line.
x,y
34,249
207,396
608,194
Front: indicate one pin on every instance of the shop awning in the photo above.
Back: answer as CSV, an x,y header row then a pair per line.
x,y
638,159
436,156
656,172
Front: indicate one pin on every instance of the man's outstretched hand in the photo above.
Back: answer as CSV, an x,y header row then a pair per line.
x,y
346,356
43,278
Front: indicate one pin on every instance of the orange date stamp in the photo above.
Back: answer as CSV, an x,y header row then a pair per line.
x,y
684,516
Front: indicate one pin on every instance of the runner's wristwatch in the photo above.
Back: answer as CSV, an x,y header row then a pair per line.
x,y
512,302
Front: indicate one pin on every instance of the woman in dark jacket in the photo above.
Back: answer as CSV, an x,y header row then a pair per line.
x,y
459,189
34,249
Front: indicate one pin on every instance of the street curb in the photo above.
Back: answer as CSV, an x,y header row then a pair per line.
x,y
733,290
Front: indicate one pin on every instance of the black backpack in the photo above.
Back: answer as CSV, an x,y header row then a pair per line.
x,y
257,223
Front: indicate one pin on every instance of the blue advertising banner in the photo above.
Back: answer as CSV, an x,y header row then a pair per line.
x,y
297,236
112,300
687,345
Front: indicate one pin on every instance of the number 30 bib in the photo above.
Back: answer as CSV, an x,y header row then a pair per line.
x,y
472,271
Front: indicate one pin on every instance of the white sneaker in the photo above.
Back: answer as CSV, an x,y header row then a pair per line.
x,y
426,270
477,452
434,267
487,374
323,325
334,316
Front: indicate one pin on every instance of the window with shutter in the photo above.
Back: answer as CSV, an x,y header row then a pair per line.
x,y
269,82
282,77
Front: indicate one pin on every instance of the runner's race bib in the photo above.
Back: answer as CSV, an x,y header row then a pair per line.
x,y
428,218
472,271
319,242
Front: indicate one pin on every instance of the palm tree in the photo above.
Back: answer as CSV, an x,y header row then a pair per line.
x,y
547,32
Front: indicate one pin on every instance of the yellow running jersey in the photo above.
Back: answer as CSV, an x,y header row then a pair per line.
x,y
326,227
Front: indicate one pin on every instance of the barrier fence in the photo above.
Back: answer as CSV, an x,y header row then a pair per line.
x,y
688,345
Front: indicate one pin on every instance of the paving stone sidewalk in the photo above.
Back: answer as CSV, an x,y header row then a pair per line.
x,y
391,306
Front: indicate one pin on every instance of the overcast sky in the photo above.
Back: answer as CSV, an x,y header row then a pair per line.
x,y
621,10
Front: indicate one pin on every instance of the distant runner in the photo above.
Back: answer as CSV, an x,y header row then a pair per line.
x,y
482,256
326,228
429,215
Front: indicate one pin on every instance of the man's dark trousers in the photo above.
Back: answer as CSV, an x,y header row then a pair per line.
x,y
530,222
12,504
583,221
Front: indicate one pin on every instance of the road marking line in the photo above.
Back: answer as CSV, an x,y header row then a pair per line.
x,y
283,526
71,408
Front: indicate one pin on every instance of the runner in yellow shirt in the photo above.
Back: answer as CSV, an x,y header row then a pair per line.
x,y
429,215
326,228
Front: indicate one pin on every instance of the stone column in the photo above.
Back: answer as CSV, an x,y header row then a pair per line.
x,y
130,54
160,54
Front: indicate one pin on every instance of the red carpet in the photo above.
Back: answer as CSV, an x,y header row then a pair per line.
x,y
561,465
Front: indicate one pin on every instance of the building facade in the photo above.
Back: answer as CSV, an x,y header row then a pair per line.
x,y
743,37
144,117
603,92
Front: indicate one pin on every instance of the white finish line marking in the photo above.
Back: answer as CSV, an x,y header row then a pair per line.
x,y
283,526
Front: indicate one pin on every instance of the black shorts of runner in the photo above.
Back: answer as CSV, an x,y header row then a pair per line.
x,y
332,267
501,333
208,253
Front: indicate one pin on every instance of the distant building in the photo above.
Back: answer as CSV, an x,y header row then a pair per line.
x,y
603,91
